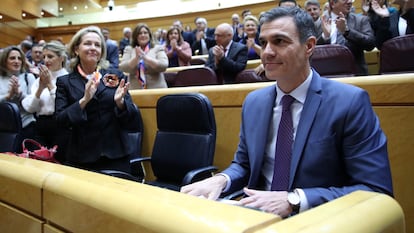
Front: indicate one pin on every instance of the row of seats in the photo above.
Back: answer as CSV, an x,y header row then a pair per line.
x,y
183,149
331,61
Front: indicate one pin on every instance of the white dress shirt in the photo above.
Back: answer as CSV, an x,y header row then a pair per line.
x,y
45,104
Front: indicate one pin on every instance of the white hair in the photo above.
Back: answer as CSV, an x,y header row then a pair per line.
x,y
127,29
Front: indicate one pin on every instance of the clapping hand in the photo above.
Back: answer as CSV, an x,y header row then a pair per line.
x,y
380,11
45,77
218,52
120,94
14,87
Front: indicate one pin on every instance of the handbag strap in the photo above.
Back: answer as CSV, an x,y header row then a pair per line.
x,y
28,140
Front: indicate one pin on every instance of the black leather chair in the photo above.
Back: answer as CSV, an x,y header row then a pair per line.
x,y
396,55
10,128
333,61
185,141
198,76
135,139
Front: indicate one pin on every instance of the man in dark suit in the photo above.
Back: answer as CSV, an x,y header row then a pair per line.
x,y
227,58
334,144
125,41
189,37
112,52
204,37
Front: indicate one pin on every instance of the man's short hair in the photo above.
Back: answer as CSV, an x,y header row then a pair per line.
x,y
312,2
127,29
282,1
201,20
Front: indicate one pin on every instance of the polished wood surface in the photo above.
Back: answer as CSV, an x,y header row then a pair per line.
x,y
75,200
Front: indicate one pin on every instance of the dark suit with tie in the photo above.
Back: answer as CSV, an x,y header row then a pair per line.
x,y
339,146
196,47
230,65
100,129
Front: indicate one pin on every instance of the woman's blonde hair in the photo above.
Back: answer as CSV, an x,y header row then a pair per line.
x,y
77,39
58,48
251,18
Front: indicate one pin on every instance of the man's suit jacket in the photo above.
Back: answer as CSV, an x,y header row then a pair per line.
x,y
361,37
339,146
230,65
99,129
209,39
189,37
112,53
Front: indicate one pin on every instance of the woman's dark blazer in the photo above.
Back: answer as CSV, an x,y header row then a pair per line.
x,y
101,128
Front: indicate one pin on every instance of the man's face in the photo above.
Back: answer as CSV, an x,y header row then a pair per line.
x,y
343,6
313,11
222,36
37,54
200,26
283,56
105,33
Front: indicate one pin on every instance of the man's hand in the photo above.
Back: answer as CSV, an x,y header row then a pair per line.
x,y
269,201
210,188
341,23
218,52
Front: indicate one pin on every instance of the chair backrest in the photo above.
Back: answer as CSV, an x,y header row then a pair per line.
x,y
10,127
186,136
170,78
197,76
135,137
198,61
250,76
333,60
396,55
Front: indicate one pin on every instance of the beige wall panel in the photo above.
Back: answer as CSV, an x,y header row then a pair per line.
x,y
27,184
397,123
13,220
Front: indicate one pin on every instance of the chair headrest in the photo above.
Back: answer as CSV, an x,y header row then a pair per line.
x,y
189,112
396,55
10,120
333,60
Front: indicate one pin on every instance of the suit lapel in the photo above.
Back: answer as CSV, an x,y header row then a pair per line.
x,y
232,48
76,81
310,108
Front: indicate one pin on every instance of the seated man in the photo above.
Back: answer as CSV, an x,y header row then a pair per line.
x,y
227,58
307,139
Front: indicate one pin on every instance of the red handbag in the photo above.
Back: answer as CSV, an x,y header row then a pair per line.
x,y
41,153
